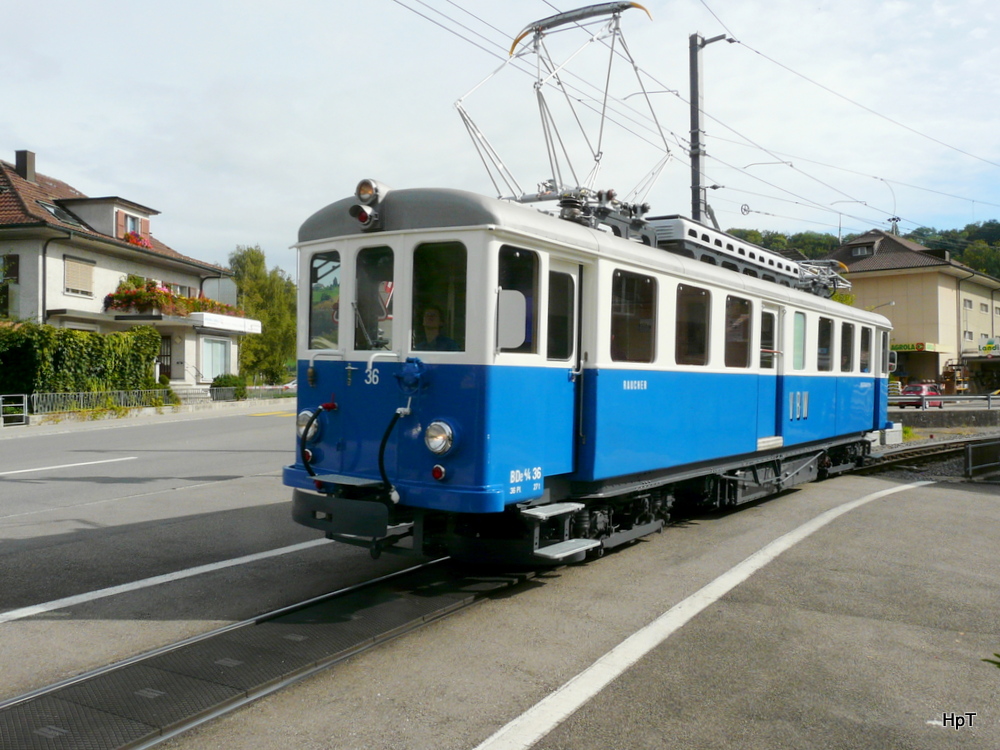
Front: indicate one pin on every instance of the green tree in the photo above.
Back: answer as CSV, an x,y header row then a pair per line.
x,y
981,257
748,235
814,244
268,296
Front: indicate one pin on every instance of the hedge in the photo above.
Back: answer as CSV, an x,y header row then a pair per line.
x,y
44,359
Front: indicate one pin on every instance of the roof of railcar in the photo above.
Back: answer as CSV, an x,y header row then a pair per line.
x,y
429,208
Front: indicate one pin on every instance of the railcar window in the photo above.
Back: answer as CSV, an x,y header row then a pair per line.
x,y
519,272
847,347
885,353
373,299
439,273
767,340
324,300
738,330
824,346
562,305
693,325
866,350
633,317
799,348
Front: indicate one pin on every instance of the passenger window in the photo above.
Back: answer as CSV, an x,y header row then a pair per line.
x,y
693,323
519,272
439,282
738,331
767,341
847,348
324,300
373,299
824,345
799,348
866,350
562,308
633,317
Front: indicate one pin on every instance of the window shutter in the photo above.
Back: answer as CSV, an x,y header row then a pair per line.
x,y
144,228
79,277
119,224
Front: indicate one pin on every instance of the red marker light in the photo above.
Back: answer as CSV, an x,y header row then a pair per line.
x,y
438,472
363,214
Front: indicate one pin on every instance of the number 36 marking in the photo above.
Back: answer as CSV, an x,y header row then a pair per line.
x,y
371,376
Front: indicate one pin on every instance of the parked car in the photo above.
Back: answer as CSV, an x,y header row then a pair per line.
x,y
916,391
293,386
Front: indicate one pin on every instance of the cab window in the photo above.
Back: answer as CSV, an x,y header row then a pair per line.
x,y
518,273
737,332
847,347
799,342
562,308
439,284
373,299
324,300
824,346
866,350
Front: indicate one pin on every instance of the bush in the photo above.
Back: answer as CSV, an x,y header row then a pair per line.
x,y
236,382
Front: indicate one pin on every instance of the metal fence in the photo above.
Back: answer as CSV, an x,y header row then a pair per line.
x,y
988,401
253,393
52,403
982,458
13,410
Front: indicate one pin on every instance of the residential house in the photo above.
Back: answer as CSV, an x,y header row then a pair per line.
x,y
63,253
946,316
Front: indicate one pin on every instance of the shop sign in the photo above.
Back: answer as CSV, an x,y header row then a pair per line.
x,y
990,347
921,347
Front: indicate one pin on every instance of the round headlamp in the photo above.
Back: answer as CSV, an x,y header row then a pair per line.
x,y
367,191
438,437
300,426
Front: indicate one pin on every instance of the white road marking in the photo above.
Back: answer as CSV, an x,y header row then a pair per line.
x,y
546,715
70,601
68,466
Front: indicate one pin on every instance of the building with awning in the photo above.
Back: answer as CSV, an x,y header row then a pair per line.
x,y
66,259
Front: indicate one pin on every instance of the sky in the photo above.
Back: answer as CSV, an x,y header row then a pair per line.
x,y
238,120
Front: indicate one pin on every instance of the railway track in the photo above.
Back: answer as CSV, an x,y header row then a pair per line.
x,y
919,454
147,699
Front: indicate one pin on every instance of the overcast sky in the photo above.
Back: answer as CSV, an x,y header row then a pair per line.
x,y
238,120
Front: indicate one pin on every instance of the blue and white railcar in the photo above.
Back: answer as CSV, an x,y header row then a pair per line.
x,y
486,379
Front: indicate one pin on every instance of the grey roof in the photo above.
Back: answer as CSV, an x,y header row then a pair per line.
x,y
891,253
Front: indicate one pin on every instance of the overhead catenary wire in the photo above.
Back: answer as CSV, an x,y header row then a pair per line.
x,y
625,114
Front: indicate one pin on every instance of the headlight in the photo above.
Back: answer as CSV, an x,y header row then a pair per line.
x,y
300,425
370,192
438,437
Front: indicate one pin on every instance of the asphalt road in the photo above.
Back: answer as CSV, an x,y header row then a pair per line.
x,y
85,507
868,631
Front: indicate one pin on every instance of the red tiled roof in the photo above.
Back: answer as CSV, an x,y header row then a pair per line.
x,y
19,206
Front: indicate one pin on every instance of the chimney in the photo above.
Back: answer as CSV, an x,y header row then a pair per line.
x,y
26,164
